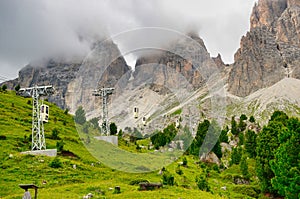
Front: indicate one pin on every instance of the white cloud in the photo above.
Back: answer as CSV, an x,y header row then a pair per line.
x,y
35,29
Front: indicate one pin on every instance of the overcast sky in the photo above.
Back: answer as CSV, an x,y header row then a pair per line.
x,y
35,29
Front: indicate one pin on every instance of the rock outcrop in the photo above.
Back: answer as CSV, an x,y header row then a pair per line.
x,y
61,74
271,49
55,73
186,57
103,67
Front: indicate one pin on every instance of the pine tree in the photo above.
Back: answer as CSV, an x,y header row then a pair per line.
x,y
250,143
4,87
244,167
80,116
223,136
17,88
202,130
241,139
113,129
267,144
234,128
236,155
242,125
251,119
286,165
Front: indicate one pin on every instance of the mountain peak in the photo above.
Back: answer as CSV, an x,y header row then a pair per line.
x,y
266,12
271,49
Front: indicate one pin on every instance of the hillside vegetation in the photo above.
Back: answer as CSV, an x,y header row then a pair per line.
x,y
186,177
90,176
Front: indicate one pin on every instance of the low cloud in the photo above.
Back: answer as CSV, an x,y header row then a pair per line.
x,y
37,29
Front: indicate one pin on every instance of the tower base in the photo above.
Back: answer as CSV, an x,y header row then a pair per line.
x,y
46,152
111,139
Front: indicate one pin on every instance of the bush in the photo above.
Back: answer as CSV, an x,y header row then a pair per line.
x,y
85,128
168,179
60,145
2,137
55,133
137,181
4,87
248,190
117,190
113,129
80,116
179,170
95,122
202,183
216,168
54,120
251,119
66,112
243,117
17,88
184,161
56,163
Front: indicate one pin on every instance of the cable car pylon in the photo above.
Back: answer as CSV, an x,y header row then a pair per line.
x,y
38,136
104,93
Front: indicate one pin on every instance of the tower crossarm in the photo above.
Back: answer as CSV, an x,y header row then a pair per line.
x,y
40,90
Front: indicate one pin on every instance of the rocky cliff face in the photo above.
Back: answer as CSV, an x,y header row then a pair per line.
x,y
271,49
56,73
186,58
62,74
103,67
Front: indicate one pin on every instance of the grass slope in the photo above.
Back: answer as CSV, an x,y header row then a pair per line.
x,y
90,175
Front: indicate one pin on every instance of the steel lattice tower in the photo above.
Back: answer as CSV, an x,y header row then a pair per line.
x,y
38,136
104,93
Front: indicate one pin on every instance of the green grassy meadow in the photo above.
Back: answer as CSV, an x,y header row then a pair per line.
x,y
91,174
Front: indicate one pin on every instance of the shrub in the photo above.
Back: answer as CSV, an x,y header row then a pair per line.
x,y
137,181
4,87
60,145
168,179
80,116
54,120
85,128
251,119
113,129
17,88
56,163
66,112
95,122
55,133
2,137
179,170
202,183
248,190
216,168
117,190
184,161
